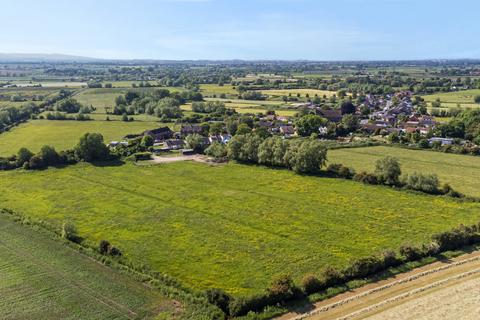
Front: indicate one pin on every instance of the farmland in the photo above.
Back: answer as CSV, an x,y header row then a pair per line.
x,y
295,92
43,279
460,171
65,134
218,227
450,100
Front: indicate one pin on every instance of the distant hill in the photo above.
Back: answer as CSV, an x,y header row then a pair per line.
x,y
40,57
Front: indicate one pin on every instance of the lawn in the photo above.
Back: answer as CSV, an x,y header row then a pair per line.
x,y
233,226
450,99
43,279
65,134
460,171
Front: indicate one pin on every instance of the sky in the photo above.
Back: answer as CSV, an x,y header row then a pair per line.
x,y
243,29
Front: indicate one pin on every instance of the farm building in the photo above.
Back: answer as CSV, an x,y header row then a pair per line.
x,y
159,134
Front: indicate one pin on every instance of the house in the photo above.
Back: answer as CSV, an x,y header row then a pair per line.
x,y
443,141
191,129
159,134
287,131
174,144
114,144
331,115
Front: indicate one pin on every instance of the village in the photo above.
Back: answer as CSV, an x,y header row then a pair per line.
x,y
378,116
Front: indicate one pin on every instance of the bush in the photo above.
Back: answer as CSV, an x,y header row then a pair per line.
x,y
423,182
331,277
282,288
49,155
104,247
388,171
363,267
69,231
411,252
36,163
23,156
219,298
339,170
366,178
311,284
216,150
390,259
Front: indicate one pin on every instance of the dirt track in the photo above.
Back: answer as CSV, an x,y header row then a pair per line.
x,y
409,295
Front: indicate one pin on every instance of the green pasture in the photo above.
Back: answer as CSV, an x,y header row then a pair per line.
x,y
43,279
65,134
460,171
451,99
302,92
231,226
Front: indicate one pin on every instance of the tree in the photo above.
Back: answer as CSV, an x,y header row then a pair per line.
x,y
428,183
147,141
347,107
282,288
69,231
92,148
69,105
388,170
243,129
195,142
349,123
308,156
477,99
216,128
309,124
244,148
23,155
49,155
272,151
216,150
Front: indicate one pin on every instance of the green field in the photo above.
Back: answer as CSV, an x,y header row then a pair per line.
x,y
294,92
211,89
460,171
65,134
231,226
43,279
451,99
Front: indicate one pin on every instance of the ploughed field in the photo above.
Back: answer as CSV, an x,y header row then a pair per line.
x,y
65,134
43,279
460,171
234,226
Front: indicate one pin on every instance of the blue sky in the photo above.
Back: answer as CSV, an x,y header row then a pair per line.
x,y
243,29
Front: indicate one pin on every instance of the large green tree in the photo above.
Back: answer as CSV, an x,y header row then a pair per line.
x,y
92,148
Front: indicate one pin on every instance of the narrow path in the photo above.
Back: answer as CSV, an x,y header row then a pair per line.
x,y
387,293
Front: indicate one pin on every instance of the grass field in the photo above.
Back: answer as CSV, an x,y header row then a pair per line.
x,y
43,279
302,92
65,134
217,226
451,99
250,108
211,89
460,171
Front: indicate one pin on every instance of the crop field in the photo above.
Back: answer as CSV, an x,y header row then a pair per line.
x,y
249,108
460,171
43,279
211,89
450,99
232,226
65,134
302,92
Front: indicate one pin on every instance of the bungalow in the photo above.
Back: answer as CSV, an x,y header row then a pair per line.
x,y
287,131
443,141
331,115
174,144
191,129
159,134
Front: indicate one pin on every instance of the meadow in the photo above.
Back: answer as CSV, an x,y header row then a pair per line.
x,y
451,99
43,279
460,171
294,92
65,134
231,226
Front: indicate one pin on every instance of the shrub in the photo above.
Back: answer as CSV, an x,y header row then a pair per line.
x,y
216,150
411,252
219,298
390,259
282,288
422,182
104,247
49,155
36,162
388,171
339,170
366,178
363,267
332,276
311,284
24,155
69,231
